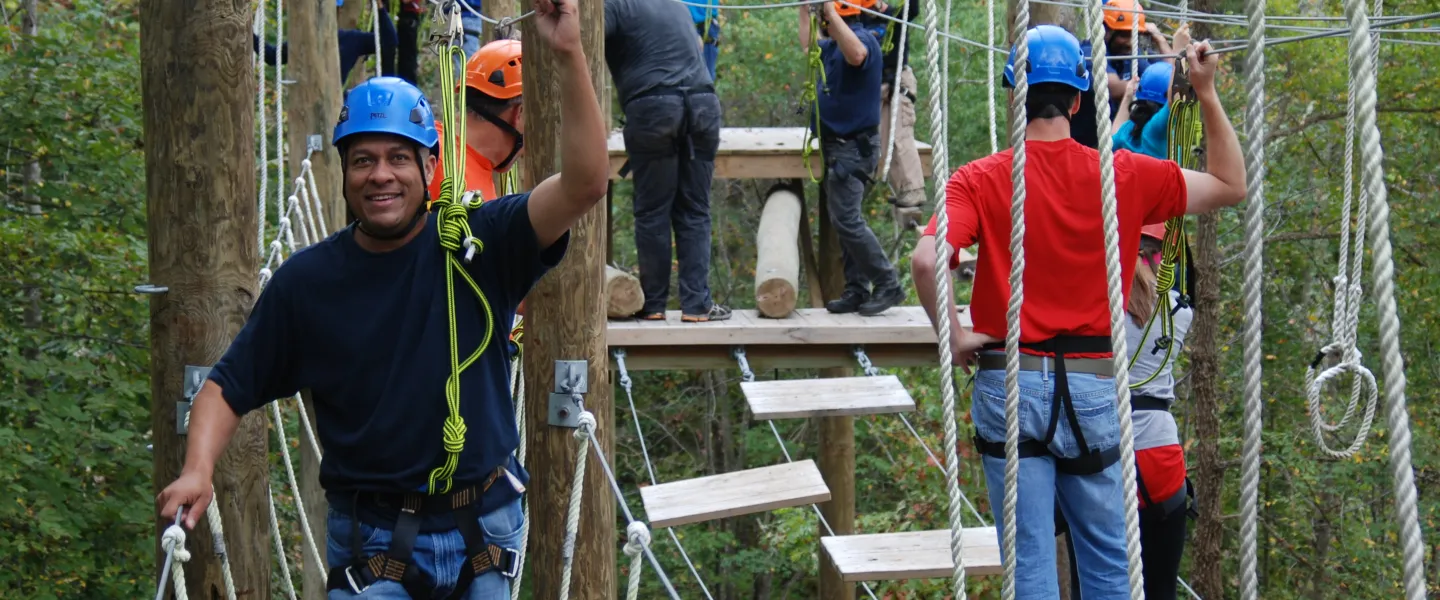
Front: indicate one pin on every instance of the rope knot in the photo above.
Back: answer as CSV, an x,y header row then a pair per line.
x,y
639,536
454,436
587,425
174,541
472,244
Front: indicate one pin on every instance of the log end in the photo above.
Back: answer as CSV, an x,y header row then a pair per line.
x,y
775,297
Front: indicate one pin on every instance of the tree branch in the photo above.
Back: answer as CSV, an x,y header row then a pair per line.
x,y
1327,117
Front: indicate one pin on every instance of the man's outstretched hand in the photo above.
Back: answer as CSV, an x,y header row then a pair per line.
x,y
558,22
191,490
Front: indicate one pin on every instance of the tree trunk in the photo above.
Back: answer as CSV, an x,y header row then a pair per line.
x,y
33,319
499,10
196,79
566,321
837,434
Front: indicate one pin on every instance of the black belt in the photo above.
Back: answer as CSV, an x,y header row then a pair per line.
x,y
1091,460
682,136
396,563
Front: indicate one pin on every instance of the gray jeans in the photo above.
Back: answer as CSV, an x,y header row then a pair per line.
x,y
671,141
848,165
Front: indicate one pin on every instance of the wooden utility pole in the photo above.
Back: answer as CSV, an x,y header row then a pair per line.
x,y
565,320
313,108
196,77
837,434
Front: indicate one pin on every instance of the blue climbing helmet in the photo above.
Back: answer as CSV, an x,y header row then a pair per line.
x,y
387,105
1055,57
1155,82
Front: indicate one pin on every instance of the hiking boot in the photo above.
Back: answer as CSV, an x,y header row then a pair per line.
x,y
848,302
716,313
882,299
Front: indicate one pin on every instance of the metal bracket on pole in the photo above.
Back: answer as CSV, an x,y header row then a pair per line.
x,y
314,143
194,380
567,401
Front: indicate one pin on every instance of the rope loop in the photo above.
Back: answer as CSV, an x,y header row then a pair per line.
x,y
454,433
587,425
173,541
1364,383
639,536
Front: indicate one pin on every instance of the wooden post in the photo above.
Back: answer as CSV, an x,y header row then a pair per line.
x,y
837,434
196,79
777,263
565,319
313,107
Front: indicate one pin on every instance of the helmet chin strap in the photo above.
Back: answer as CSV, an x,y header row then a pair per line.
x,y
514,133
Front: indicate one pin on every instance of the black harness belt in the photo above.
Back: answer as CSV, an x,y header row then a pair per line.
x,y
1091,460
682,137
396,563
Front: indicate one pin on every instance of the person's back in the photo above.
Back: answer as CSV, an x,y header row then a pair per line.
x,y
650,44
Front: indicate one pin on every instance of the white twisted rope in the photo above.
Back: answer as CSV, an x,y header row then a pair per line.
x,y
1345,322
375,27
305,530
990,76
517,393
1018,120
1384,270
895,93
264,165
279,544
945,295
577,488
217,539
639,539
1253,296
173,542
1119,352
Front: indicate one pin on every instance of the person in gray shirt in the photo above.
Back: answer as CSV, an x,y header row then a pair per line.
x,y
672,131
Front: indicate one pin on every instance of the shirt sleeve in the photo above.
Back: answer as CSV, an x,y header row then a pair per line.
x,y
259,364
964,226
1163,187
612,20
511,250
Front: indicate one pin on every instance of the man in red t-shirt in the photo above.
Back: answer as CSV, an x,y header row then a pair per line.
x,y
1065,367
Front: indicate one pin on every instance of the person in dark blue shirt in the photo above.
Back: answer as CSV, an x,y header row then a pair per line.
x,y
847,120
1122,18
354,44
418,469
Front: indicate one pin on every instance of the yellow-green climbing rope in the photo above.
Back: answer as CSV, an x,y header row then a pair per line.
x,y
810,97
455,235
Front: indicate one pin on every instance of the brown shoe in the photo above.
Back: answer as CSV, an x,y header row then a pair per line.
x,y
716,313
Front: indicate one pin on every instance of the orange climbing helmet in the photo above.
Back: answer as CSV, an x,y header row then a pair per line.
x,y
1119,13
495,70
848,7
1156,231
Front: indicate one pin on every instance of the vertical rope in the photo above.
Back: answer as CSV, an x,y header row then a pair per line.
x,y
904,26
639,539
279,545
1119,352
279,102
990,75
1253,295
264,166
1018,120
577,488
1373,179
946,295
217,539
375,28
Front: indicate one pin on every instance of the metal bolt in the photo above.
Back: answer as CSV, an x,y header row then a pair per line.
x,y
150,288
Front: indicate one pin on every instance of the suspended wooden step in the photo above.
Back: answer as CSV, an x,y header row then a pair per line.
x,y
834,397
912,554
734,494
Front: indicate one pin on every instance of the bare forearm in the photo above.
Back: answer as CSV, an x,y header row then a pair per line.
x,y
1223,157
583,152
212,424
805,28
923,271
850,45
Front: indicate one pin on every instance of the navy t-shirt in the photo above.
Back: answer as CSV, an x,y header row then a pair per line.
x,y
368,335
849,97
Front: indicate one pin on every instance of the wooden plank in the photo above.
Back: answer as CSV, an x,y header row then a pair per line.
x,y
755,153
762,358
900,325
837,397
912,554
733,494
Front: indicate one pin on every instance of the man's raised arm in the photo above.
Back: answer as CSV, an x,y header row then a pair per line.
x,y
563,198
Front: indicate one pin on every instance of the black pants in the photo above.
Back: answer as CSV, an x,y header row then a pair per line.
x,y
671,140
1162,545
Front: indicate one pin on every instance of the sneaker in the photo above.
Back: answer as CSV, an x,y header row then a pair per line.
x,y
716,313
848,302
882,299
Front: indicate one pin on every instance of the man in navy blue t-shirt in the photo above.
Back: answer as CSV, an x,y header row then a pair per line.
x,y
847,120
423,487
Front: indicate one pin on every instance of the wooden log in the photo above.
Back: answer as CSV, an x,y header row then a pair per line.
x,y
565,321
623,296
197,82
777,262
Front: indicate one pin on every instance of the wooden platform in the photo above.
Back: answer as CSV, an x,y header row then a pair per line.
x,y
733,494
912,554
835,397
808,338
754,153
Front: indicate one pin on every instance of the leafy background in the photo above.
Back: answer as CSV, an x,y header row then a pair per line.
x,y
74,352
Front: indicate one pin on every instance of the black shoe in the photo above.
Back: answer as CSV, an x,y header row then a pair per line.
x,y
882,299
848,302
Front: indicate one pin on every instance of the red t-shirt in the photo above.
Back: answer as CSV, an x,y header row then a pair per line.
x,y
1065,291
479,173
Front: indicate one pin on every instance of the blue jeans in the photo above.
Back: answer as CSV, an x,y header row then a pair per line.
x,y
1092,504
439,555
711,49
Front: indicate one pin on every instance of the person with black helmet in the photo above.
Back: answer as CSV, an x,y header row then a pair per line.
x,y
419,466
1069,428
